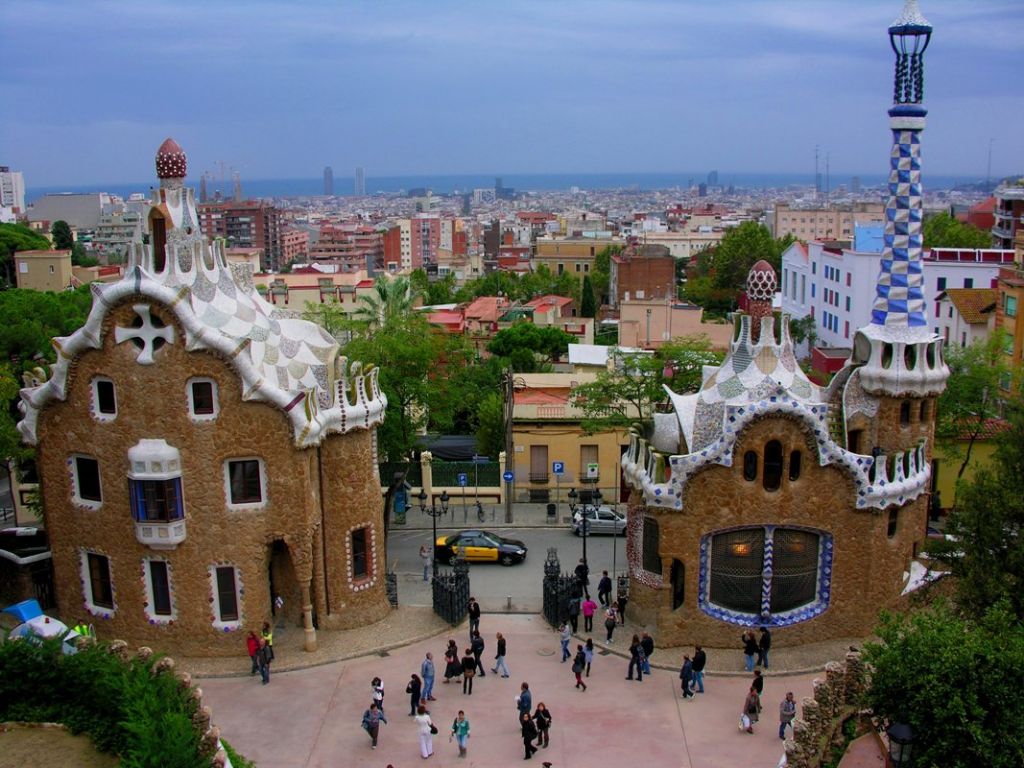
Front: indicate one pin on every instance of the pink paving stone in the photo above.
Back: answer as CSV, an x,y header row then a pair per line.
x,y
864,752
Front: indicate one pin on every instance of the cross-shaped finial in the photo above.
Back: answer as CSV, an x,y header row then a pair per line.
x,y
147,333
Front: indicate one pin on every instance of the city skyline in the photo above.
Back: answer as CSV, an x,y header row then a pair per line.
x,y
531,88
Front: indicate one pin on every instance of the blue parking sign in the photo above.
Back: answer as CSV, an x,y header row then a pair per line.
x,y
558,467
508,477
463,479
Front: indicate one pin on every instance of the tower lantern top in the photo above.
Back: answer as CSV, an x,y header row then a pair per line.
x,y
909,36
170,161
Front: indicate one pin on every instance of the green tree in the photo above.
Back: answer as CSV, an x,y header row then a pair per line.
x,y
490,432
14,238
683,360
985,548
716,302
956,683
530,347
600,275
804,329
331,316
740,249
63,240
390,299
587,304
945,231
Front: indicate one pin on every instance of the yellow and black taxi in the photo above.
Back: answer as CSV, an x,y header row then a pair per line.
x,y
479,547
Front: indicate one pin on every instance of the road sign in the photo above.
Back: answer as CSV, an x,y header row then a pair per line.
x,y
508,477
593,471
463,479
558,467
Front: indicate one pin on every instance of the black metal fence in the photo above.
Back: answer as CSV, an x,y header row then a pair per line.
x,y
391,588
388,470
559,589
485,473
451,592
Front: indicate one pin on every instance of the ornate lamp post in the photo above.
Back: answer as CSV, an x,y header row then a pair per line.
x,y
584,508
434,512
901,742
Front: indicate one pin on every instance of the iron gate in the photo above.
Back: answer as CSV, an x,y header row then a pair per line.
x,y
451,592
559,589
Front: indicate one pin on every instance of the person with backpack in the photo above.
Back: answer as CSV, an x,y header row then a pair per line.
x,y
579,663
610,621
372,718
460,731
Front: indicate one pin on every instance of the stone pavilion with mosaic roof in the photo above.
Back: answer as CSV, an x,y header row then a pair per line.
x,y
200,455
766,500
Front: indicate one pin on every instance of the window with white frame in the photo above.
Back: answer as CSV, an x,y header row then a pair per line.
x,y
245,483
86,486
104,399
224,586
97,584
203,403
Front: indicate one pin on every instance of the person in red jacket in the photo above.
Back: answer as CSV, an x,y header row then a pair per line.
x,y
252,644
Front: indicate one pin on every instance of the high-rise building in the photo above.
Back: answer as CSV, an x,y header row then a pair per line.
x,y
245,224
202,188
12,193
713,179
1008,213
328,181
360,182
855,185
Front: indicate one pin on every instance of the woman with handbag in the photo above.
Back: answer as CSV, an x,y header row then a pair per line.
x,y
427,729
751,709
468,671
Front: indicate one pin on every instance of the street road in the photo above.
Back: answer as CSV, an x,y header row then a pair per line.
x,y
491,583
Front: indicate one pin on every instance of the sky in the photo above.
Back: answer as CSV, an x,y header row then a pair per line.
x,y
279,89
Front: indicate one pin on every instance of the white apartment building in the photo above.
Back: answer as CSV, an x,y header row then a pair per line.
x,y
966,315
12,194
836,286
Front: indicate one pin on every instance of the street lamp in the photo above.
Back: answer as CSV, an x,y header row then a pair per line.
x,y
901,742
584,508
434,512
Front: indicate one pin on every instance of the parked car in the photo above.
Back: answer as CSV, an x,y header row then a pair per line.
x,y
603,520
478,546
29,622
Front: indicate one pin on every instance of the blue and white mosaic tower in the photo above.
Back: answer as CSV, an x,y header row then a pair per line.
x,y
900,356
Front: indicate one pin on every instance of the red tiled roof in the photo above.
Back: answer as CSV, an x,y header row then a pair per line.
x,y
990,429
975,305
559,396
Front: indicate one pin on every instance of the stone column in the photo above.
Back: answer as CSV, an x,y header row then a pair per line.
x,y
307,617
427,474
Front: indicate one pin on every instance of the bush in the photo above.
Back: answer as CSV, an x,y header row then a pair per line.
x,y
125,709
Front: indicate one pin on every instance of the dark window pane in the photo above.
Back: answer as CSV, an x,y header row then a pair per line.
x,y
678,583
772,465
904,413
245,482
360,564
156,501
893,522
737,562
750,465
88,473
161,587
795,569
795,459
226,594
202,398
105,400
99,581
652,543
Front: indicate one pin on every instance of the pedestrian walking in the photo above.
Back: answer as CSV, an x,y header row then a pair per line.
x,y
499,658
426,729
263,658
477,644
574,614
452,664
372,718
758,682
583,577
787,711
524,701
636,660
474,616
427,671
415,691
426,556
604,589
700,659
565,636
542,719
588,650
610,620
751,710
589,607
764,644
579,663
647,643
268,634
468,671
621,607
460,731
529,731
749,649
252,644
686,675
378,692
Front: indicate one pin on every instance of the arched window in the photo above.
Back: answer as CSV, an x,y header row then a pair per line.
x,y
795,460
750,466
772,477
904,413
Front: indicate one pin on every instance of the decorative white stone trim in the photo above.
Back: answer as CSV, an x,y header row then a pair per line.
x,y
147,586
215,620
76,497
91,608
202,417
264,490
366,582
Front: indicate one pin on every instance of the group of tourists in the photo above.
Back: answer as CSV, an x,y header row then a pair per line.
x,y
261,651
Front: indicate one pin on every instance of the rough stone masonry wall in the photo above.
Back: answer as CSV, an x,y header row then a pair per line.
x,y
868,566
835,699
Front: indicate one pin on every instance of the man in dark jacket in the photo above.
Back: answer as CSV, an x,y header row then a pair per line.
x,y
583,577
764,645
574,614
699,660
474,616
477,645
604,589
686,675
647,643
263,659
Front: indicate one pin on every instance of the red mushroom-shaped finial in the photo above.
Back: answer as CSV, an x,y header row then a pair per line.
x,y
761,282
170,161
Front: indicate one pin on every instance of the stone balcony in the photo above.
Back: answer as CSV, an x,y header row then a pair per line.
x,y
160,535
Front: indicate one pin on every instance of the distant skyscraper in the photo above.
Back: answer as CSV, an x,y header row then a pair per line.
x,y
702,190
855,185
360,182
713,179
236,178
202,188
328,181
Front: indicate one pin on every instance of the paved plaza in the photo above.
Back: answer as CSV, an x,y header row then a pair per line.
x,y
311,717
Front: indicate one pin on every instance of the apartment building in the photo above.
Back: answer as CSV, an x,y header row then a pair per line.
x,y
245,224
1009,214
831,223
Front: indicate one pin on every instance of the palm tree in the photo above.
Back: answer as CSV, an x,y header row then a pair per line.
x,y
390,299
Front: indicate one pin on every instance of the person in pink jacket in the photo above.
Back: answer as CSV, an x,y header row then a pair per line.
x,y
588,608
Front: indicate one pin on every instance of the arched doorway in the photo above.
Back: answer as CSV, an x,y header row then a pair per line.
x,y
283,583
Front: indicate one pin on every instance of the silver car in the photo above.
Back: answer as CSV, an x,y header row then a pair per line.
x,y
601,520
